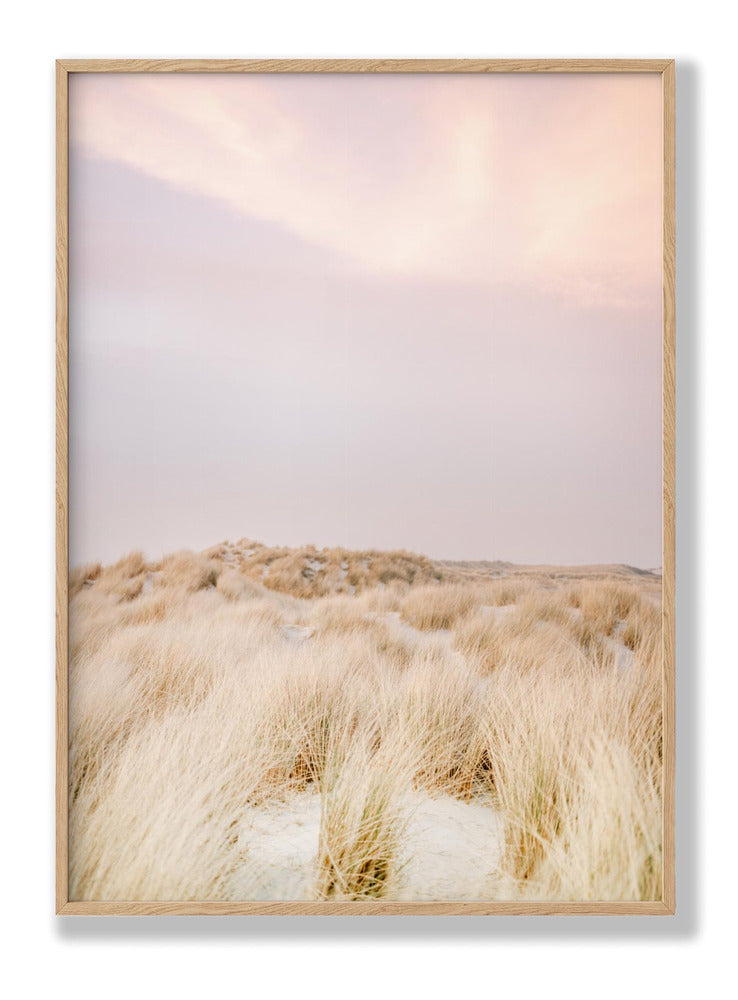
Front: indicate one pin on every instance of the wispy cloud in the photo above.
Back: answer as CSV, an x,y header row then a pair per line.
x,y
529,180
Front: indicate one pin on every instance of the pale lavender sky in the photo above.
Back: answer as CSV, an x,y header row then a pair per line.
x,y
407,311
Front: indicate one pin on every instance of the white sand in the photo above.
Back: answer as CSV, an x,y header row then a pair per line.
x,y
312,567
297,633
624,657
451,849
280,841
415,638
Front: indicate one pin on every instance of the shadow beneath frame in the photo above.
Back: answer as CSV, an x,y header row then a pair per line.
x,y
686,922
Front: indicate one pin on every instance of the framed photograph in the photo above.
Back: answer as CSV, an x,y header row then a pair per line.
x,y
365,487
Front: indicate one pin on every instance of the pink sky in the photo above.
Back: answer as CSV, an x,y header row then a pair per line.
x,y
407,311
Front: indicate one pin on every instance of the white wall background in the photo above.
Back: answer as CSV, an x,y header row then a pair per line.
x,y
523,957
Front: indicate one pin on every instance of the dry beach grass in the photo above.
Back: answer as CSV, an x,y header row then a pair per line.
x,y
207,690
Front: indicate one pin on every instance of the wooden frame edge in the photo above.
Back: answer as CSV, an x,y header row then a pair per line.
x,y
64,907
378,909
364,65
669,479
62,483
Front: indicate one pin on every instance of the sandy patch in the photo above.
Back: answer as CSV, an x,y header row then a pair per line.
x,y
312,568
451,849
297,633
415,638
624,657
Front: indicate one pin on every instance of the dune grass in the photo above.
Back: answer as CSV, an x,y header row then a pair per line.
x,y
361,823
190,706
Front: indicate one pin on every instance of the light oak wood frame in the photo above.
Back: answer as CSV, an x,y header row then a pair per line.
x,y
665,68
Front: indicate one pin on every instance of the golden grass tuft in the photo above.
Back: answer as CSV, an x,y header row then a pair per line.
x,y
361,826
431,608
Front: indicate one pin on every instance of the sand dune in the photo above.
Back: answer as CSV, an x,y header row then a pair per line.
x,y
260,723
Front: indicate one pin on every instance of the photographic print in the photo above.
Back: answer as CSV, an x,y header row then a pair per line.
x,y
370,578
